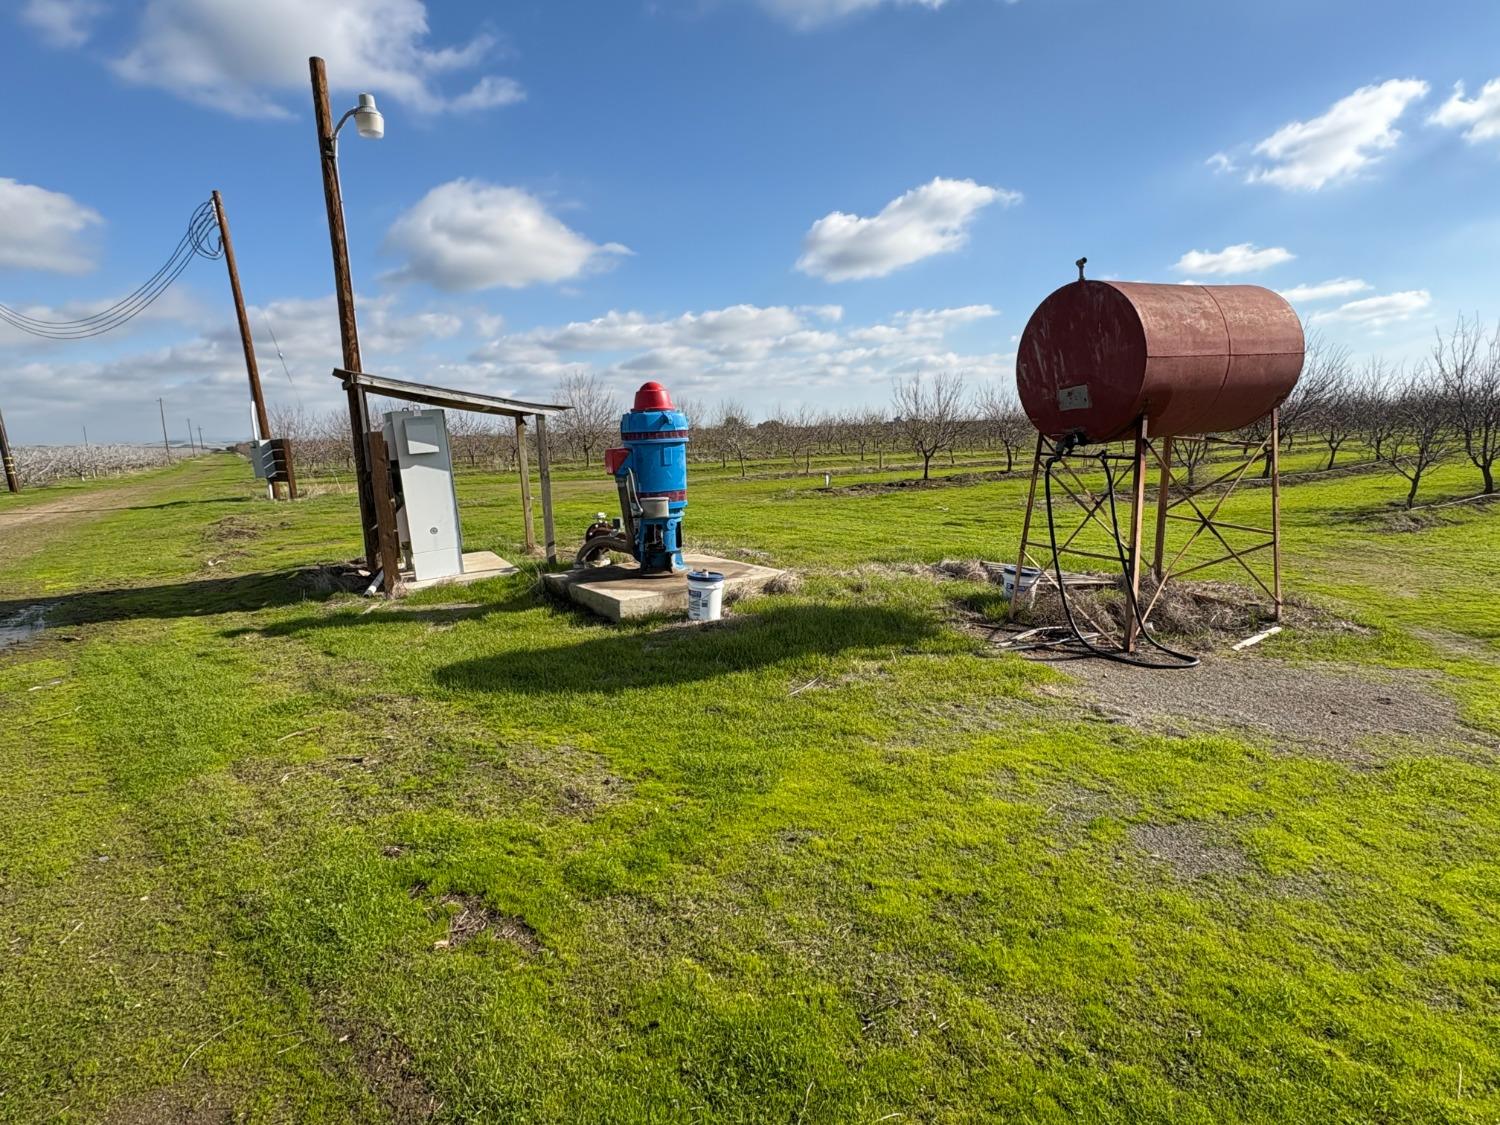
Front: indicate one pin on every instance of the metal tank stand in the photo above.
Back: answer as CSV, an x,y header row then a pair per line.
x,y
1099,537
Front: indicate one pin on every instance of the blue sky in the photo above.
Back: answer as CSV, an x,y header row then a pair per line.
x,y
785,202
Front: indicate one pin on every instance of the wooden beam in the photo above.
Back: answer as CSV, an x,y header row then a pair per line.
x,y
1036,469
525,483
549,531
448,397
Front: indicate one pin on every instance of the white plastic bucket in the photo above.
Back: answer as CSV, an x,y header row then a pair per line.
x,y
1029,575
705,595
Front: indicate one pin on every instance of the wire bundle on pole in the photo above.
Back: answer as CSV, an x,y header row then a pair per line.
x,y
202,239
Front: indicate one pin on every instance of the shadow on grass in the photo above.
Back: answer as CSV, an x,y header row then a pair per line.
x,y
179,599
689,653
382,614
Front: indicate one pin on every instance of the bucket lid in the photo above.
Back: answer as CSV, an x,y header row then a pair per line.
x,y
705,576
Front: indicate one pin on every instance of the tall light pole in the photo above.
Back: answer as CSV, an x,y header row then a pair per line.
x,y
370,124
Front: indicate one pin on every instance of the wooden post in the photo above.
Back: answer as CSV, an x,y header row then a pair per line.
x,y
1036,468
387,548
1163,502
1275,456
12,478
343,288
525,482
1137,514
285,469
243,318
549,531
165,444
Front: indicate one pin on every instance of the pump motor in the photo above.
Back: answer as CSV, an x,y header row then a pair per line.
x,y
650,471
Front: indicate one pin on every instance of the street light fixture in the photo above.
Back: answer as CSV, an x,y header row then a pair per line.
x,y
367,119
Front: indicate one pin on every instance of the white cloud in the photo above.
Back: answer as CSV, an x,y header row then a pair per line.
x,y
1478,116
1373,312
466,235
41,229
1242,257
488,93
1307,155
807,14
1325,290
1219,162
931,219
62,23
746,351
243,58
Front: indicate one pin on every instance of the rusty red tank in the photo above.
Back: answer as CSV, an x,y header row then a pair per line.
x,y
1194,359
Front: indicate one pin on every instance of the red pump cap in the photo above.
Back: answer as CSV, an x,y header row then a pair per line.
x,y
652,396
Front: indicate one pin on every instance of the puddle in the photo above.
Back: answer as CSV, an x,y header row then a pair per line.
x,y
22,625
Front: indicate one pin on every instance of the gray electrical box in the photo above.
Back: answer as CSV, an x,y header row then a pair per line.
x,y
426,503
262,459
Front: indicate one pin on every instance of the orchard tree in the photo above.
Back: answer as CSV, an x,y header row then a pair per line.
x,y
1467,363
930,414
593,417
1424,428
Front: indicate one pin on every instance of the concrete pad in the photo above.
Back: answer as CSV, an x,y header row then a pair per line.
x,y
618,592
478,565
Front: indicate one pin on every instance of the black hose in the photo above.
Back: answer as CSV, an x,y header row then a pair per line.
x,y
1180,659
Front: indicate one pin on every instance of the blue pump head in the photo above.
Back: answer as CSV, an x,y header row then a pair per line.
x,y
650,467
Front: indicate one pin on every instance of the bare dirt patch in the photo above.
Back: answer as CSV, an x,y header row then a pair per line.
x,y
1340,712
950,480
390,1071
232,529
469,916
187,1104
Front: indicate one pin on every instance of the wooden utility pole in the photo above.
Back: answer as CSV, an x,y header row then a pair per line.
x,y
251,368
12,479
343,288
191,446
165,444
200,439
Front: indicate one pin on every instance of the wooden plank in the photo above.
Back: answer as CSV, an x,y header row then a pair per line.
x,y
387,548
549,531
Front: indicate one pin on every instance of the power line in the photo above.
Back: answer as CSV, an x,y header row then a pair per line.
x,y
202,239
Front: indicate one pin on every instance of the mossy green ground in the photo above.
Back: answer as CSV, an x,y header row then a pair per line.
x,y
834,860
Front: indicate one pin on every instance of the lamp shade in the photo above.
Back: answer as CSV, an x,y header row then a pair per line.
x,y
368,119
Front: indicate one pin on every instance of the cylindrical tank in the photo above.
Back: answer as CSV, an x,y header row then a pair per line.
x,y
656,435
1194,359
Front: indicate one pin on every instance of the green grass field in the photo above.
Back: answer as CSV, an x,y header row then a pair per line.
x,y
271,854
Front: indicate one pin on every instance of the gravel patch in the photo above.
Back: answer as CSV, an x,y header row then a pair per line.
x,y
1189,850
1336,711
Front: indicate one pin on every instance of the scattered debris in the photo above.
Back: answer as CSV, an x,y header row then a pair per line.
x,y
1240,646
